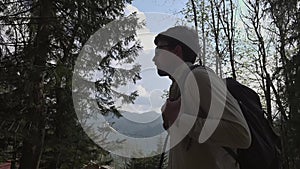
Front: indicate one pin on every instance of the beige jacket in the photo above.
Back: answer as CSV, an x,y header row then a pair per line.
x,y
189,150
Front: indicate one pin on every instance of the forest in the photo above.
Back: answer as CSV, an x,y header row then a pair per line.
x,y
255,42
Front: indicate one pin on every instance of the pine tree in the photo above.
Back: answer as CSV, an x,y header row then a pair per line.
x,y
39,44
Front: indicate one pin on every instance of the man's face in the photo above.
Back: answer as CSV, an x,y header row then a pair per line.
x,y
162,57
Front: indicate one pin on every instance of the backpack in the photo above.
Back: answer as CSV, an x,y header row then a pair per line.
x,y
265,148
264,151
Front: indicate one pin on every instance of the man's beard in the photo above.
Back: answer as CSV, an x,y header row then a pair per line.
x,y
162,73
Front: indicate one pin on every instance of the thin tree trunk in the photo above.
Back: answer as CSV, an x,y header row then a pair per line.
x,y
195,14
33,144
196,27
203,33
266,79
230,28
216,32
268,99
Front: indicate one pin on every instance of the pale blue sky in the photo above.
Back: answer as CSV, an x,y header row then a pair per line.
x,y
166,6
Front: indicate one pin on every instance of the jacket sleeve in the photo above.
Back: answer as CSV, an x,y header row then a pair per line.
x,y
213,113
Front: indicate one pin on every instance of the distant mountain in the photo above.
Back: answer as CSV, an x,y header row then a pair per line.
x,y
137,125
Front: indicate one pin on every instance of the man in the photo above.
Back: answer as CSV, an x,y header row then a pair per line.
x,y
200,115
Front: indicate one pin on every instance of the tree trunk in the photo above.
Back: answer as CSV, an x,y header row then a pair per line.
x,y
216,32
33,144
203,33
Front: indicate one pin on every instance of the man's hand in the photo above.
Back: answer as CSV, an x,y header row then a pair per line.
x,y
170,112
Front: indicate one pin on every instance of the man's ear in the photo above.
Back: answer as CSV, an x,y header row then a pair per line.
x,y
178,51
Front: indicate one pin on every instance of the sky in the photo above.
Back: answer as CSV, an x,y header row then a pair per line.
x,y
158,17
159,5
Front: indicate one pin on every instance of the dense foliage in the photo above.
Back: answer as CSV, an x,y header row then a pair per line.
x,y
39,43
